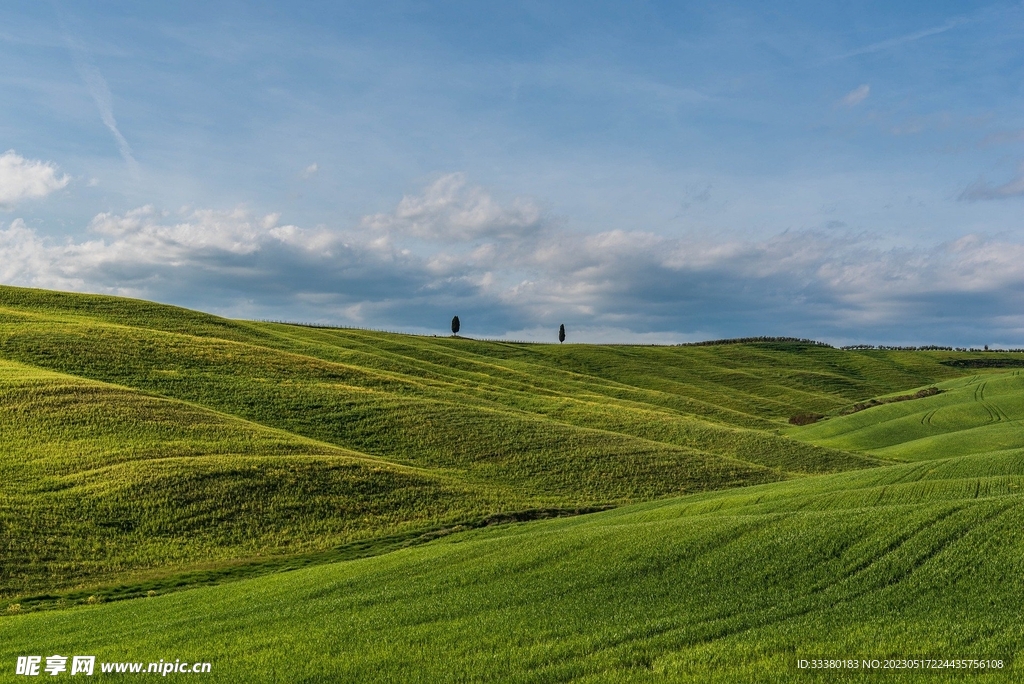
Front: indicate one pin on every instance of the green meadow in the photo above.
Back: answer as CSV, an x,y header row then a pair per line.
x,y
303,504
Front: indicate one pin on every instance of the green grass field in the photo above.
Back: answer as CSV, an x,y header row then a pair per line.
x,y
148,449
727,586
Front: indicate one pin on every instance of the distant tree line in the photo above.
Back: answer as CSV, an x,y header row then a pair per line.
x,y
930,347
884,347
984,363
750,340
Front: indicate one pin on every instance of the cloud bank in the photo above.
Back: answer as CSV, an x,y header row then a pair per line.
x,y
22,179
509,268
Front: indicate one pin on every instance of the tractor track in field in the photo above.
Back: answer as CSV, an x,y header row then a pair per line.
x,y
995,414
1001,413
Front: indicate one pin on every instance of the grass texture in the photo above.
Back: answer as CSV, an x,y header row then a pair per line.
x,y
909,560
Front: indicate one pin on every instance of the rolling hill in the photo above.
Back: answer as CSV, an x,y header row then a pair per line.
x,y
146,440
402,480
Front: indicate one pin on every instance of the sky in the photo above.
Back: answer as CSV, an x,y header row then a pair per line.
x,y
646,172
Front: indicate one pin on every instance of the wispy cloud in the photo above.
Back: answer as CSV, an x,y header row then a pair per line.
x,y
101,95
22,179
856,96
902,40
100,92
983,190
310,170
1002,138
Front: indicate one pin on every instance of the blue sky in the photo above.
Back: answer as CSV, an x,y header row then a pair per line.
x,y
638,171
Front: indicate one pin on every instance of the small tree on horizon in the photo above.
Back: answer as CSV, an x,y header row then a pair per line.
x,y
561,333
455,326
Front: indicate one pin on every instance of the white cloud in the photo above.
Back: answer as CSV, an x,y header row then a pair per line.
x,y
450,211
310,170
131,249
22,179
151,237
26,260
856,96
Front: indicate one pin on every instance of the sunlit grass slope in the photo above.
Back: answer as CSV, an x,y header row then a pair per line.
x,y
99,482
977,414
492,420
910,560
425,400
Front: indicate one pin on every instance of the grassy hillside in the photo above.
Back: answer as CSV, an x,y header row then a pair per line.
x,y
146,440
144,448
99,482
